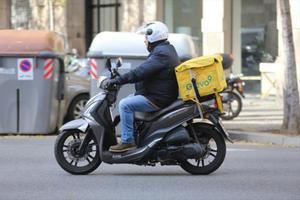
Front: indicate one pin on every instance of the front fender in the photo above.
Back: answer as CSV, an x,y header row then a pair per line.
x,y
77,124
83,124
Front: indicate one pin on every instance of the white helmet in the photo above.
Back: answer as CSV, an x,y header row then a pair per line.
x,y
154,31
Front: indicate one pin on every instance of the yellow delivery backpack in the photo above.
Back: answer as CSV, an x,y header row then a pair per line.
x,y
209,75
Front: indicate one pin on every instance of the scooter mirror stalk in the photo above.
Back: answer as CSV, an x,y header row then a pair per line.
x,y
108,64
119,62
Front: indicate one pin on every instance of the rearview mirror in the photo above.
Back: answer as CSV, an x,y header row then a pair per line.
x,y
72,68
119,62
108,64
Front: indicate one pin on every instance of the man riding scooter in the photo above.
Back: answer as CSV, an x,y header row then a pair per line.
x,y
156,85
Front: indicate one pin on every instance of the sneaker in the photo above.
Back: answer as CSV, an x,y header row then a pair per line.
x,y
122,147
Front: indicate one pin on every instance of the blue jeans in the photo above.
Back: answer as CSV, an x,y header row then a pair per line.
x,y
127,107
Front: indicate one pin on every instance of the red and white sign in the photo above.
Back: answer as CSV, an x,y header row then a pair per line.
x,y
25,69
93,71
48,68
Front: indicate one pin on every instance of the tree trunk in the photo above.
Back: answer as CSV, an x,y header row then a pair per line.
x,y
291,120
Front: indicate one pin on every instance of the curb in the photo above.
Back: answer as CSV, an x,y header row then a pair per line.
x,y
265,138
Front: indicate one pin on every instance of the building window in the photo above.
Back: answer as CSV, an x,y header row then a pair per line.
x,y
183,16
101,15
258,34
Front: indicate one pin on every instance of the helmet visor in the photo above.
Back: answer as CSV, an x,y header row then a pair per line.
x,y
144,29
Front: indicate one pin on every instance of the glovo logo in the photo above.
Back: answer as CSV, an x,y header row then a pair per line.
x,y
201,83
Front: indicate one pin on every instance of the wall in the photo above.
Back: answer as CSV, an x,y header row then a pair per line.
x,y
216,26
4,14
75,25
38,14
136,12
69,17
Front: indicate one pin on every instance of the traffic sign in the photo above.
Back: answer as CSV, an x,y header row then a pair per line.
x,y
25,69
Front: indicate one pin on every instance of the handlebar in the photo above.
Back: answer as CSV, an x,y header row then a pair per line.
x,y
112,88
103,85
234,78
115,73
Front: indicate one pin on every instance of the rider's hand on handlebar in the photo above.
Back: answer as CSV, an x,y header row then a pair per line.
x,y
112,83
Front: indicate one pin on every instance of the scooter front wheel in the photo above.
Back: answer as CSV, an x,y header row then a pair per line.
x,y
68,156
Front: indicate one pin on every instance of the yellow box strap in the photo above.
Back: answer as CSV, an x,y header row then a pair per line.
x,y
197,103
219,102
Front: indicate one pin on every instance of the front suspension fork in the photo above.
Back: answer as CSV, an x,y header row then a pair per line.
x,y
85,142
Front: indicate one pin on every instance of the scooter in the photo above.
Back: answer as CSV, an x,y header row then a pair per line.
x,y
232,97
236,84
186,134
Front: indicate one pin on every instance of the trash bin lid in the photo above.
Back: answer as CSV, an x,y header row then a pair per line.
x,y
29,42
118,44
184,45
128,44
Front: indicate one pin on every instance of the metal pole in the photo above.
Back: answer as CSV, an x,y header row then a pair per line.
x,y
117,15
98,16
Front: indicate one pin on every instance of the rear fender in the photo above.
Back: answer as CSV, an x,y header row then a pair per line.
x,y
217,125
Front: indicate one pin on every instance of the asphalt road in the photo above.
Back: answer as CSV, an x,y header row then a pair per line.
x,y
28,170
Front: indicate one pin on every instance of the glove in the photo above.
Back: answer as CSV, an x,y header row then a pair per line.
x,y
112,83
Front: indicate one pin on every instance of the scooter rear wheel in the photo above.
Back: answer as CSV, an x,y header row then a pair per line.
x,y
215,151
67,156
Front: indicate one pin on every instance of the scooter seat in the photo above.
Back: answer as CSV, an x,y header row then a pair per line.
x,y
149,116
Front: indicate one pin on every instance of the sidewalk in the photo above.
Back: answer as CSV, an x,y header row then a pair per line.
x,y
260,121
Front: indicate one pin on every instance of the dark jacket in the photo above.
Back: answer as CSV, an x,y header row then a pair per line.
x,y
155,77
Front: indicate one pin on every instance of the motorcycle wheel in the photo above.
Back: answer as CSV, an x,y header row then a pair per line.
x,y
67,156
76,107
214,153
232,105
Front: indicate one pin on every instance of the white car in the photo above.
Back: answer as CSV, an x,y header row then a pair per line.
x,y
78,88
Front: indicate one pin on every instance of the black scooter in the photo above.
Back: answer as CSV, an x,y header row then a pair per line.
x,y
232,97
176,135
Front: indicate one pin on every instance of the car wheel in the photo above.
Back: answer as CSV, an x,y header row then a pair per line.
x,y
77,107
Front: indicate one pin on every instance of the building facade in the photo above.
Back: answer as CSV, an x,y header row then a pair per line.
x,y
246,28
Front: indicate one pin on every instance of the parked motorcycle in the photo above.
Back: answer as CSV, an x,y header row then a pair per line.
x,y
175,135
232,97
